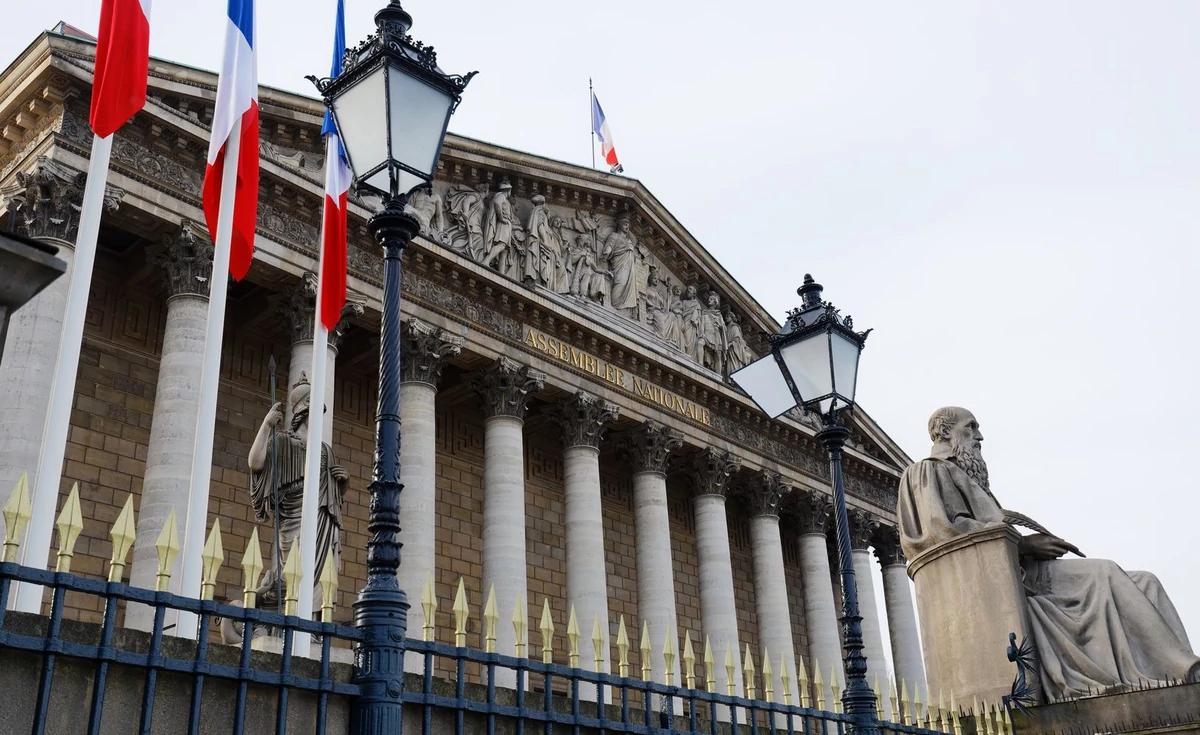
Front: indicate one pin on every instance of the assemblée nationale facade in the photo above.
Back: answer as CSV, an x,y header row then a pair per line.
x,y
565,363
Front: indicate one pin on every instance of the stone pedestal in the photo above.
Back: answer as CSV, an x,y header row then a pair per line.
x,y
969,598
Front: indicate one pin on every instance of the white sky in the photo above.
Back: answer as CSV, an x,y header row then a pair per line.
x,y
1006,192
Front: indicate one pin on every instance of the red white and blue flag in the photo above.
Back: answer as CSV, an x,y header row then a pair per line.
x,y
236,105
600,128
337,187
122,64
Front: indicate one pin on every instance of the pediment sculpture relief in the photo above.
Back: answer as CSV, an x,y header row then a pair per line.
x,y
591,258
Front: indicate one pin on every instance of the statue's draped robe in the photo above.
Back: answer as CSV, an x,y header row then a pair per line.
x,y
1094,624
291,450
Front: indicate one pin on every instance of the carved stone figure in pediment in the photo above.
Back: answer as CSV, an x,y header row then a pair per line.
x,y
625,263
712,334
657,298
426,206
543,251
558,279
690,316
737,354
464,217
498,233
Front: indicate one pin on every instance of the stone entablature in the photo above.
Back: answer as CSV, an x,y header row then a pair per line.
x,y
163,151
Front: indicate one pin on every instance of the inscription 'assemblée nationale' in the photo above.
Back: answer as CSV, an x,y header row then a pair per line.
x,y
614,375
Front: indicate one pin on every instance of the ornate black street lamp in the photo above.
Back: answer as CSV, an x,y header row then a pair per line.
x,y
814,365
391,106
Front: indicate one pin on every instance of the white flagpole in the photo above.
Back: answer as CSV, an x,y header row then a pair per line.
x,y
312,452
62,392
210,380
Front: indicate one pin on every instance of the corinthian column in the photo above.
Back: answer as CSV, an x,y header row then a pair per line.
x,y
862,528
770,581
505,387
711,470
649,448
298,311
582,418
186,266
824,642
902,618
43,205
424,351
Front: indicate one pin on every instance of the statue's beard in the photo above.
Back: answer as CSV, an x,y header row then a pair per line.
x,y
298,419
969,457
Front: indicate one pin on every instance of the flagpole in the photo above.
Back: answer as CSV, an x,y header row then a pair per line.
x,y
62,392
312,452
210,381
591,124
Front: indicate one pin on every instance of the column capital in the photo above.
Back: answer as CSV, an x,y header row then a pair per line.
x,y
298,309
766,490
45,202
887,547
711,469
424,349
812,511
505,387
650,445
863,526
185,260
582,418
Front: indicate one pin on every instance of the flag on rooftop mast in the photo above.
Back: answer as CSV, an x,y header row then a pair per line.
x,y
601,131
331,298
230,208
118,93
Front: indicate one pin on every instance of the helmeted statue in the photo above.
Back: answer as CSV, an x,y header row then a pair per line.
x,y
290,447
1094,624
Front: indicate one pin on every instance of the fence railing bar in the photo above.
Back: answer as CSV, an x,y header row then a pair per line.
x,y
491,697
520,700
323,695
152,660
199,671
459,692
239,710
548,693
574,682
104,654
285,672
51,646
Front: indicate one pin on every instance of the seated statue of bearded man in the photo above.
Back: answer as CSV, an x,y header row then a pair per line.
x,y
1095,625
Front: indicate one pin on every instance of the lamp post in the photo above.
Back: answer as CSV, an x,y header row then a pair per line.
x,y
813,365
391,105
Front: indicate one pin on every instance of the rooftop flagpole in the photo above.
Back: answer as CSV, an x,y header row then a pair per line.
x,y
591,97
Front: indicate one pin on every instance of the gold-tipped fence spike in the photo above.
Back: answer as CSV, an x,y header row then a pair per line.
x,y
905,703
689,661
878,699
978,717
547,627
491,619
748,670
954,716
428,610
573,639
818,684
622,649
917,708
212,556
17,512
291,581
710,667
893,699
646,651
598,649
835,689
252,566
329,584
943,719
669,658
767,675
802,684
520,625
122,535
70,525
730,671
785,680
1008,726
461,613
987,719
167,547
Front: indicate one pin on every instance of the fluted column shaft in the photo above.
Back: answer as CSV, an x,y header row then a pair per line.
x,y
711,470
582,419
505,387
424,350
862,529
907,659
770,581
650,447
820,609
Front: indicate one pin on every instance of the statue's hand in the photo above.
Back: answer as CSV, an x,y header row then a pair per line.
x,y
274,416
1044,547
339,473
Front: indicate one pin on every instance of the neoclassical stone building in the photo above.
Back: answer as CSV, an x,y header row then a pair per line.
x,y
570,432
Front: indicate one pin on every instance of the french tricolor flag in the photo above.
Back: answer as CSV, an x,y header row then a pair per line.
x,y
236,106
337,187
122,64
600,128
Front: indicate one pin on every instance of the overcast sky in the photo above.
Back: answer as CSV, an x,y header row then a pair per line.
x,y
1007,192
